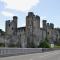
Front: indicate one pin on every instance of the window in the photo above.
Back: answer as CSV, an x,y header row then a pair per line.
x,y
9,25
12,28
48,32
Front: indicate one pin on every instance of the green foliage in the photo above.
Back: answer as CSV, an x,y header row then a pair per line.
x,y
56,46
44,44
13,45
2,45
46,39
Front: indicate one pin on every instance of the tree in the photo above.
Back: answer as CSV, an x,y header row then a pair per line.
x,y
44,44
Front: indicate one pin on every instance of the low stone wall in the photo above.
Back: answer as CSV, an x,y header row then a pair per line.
x,y
20,51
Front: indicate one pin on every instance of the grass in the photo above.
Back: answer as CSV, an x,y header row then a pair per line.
x,y
56,46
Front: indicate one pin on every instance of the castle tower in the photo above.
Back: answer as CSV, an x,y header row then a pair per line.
x,y
51,25
44,24
48,31
29,28
36,30
48,28
44,31
7,26
11,26
37,22
32,28
15,24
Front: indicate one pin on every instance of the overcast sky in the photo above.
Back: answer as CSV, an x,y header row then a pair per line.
x,y
46,9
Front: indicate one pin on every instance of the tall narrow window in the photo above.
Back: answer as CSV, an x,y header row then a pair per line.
x,y
9,25
12,28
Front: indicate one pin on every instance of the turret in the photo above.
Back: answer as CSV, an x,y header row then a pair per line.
x,y
48,25
30,14
38,21
14,17
11,26
29,19
7,26
15,24
51,25
37,17
44,24
32,28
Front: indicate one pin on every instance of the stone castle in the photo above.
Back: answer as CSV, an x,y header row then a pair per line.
x,y
31,34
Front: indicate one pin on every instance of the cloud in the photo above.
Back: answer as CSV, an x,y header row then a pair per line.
x,y
20,5
5,13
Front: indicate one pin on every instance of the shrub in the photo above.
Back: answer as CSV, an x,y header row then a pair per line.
x,y
44,44
2,44
12,45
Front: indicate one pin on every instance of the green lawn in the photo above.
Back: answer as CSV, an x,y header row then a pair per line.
x,y
57,46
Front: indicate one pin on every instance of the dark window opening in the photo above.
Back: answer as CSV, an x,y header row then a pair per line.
x,y
9,25
12,28
48,32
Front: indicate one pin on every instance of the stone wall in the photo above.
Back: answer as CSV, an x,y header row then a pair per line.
x,y
19,51
2,39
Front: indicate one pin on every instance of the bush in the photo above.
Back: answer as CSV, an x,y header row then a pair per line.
x,y
12,45
44,44
46,39
2,45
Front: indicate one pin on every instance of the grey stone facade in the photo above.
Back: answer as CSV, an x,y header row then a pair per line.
x,y
31,34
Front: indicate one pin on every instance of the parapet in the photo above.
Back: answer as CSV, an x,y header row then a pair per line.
x,y
48,25
44,20
8,21
15,17
37,17
30,14
51,25
44,24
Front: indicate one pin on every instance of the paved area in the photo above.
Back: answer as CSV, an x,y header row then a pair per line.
x,y
53,55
